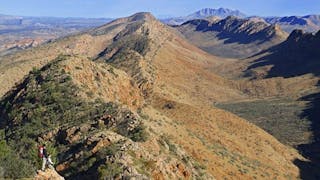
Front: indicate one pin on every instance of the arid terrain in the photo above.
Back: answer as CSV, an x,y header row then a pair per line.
x,y
232,37
136,98
308,23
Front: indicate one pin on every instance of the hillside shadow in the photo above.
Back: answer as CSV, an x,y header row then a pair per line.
x,y
241,38
311,169
226,36
288,63
299,55
296,56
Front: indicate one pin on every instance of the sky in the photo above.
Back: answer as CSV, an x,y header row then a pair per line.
x,y
160,8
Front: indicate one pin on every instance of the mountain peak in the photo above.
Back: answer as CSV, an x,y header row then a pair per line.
x,y
221,12
205,13
146,16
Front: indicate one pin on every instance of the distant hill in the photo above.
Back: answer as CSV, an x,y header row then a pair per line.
x,y
10,20
309,23
20,32
232,37
51,21
204,13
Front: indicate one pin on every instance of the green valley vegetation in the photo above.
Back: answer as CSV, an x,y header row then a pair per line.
x,y
279,117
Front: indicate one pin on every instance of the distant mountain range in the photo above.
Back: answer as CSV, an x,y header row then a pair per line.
x,y
232,37
221,12
204,13
308,23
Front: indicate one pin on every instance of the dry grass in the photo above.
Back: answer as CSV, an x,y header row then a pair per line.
x,y
218,143
213,138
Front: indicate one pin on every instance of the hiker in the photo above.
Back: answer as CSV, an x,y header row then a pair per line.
x,y
46,158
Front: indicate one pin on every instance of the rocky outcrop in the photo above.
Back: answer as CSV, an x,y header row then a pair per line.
x,y
48,174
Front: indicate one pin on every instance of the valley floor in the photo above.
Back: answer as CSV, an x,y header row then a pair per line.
x,y
280,117
292,121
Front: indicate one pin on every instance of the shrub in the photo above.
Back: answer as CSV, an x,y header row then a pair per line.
x,y
108,151
35,71
139,134
110,170
167,140
11,165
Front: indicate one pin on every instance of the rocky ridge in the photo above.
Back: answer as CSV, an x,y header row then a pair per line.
x,y
161,125
309,23
226,36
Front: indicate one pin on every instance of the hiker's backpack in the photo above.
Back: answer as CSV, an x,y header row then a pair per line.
x,y
40,152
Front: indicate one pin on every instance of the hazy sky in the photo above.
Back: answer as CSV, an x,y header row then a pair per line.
x,y
119,8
